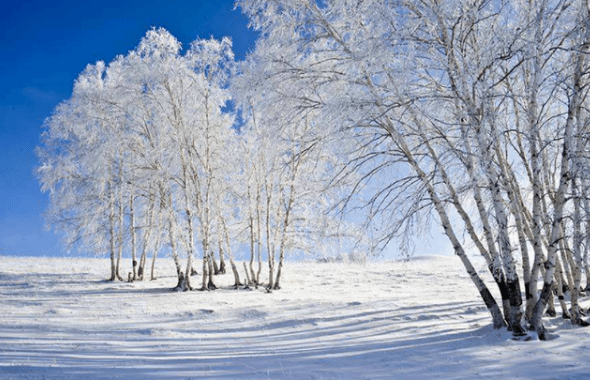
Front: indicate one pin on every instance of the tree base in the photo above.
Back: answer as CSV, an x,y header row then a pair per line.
x,y
210,286
183,285
222,269
519,332
523,338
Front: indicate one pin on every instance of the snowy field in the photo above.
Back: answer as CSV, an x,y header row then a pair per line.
x,y
421,319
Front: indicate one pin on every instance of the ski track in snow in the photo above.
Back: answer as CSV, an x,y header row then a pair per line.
x,y
417,319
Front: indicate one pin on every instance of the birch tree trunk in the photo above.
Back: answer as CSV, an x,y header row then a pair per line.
x,y
156,246
560,199
230,255
269,242
210,283
205,268
490,254
532,85
476,121
147,232
222,269
181,281
121,209
516,209
120,237
252,253
587,240
190,253
132,231
490,302
566,272
214,264
251,226
287,220
248,280
112,236
556,229
559,289
256,278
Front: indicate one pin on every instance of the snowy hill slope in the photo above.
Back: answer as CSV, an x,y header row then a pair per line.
x,y
420,319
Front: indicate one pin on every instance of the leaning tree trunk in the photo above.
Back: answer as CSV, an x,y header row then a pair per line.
x,y
560,200
286,219
518,213
490,302
490,255
237,282
453,70
249,282
555,237
516,312
277,283
234,269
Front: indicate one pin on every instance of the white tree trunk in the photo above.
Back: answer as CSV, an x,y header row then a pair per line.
x,y
490,302
132,231
112,236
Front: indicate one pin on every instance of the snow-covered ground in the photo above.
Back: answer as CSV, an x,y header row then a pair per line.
x,y
420,319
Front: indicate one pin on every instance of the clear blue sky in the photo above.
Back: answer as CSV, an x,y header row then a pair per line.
x,y
44,45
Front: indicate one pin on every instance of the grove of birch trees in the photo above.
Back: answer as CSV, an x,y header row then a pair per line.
x,y
473,113
145,157
353,124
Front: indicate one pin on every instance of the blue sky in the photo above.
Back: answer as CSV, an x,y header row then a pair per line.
x,y
44,45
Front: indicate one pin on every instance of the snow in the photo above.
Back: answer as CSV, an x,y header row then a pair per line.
x,y
413,319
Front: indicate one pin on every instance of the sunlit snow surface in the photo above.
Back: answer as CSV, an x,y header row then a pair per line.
x,y
420,319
